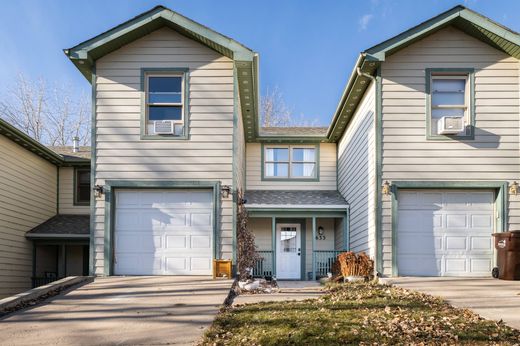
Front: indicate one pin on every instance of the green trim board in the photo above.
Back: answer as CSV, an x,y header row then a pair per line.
x,y
470,73
501,202
379,171
262,163
462,18
185,107
93,155
234,186
111,186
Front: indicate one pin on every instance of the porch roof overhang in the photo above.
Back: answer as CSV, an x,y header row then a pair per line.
x,y
268,203
63,227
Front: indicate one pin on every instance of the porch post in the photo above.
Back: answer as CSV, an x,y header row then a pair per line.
x,y
313,248
273,244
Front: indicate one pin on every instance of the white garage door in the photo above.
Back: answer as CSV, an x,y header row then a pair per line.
x,y
445,233
163,232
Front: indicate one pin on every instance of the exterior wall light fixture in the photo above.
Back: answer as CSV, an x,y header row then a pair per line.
x,y
226,190
98,191
386,188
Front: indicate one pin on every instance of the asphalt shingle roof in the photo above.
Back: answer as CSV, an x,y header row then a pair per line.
x,y
65,225
294,131
69,155
271,197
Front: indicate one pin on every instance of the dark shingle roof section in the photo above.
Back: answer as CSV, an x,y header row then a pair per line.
x,y
73,226
294,131
69,155
271,197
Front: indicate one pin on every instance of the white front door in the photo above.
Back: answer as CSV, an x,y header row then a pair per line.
x,y
445,233
288,251
163,232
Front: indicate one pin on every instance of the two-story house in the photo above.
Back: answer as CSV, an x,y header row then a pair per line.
x,y
415,168
44,213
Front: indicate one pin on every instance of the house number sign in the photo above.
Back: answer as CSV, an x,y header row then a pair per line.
x,y
321,234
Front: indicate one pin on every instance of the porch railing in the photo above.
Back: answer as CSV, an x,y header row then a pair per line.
x,y
324,260
264,266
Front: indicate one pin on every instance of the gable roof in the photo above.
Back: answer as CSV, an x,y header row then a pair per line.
x,y
86,53
83,155
466,20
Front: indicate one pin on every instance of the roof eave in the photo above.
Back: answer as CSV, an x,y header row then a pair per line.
x,y
28,143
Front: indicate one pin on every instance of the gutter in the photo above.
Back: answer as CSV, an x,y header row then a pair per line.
x,y
56,236
346,92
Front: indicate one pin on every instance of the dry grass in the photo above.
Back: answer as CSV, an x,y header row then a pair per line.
x,y
366,314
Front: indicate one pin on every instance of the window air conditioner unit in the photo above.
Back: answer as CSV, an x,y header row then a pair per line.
x,y
163,127
450,125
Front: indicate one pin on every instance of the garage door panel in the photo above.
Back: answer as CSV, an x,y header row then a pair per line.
x,y
200,242
448,233
420,265
456,221
481,265
164,232
481,244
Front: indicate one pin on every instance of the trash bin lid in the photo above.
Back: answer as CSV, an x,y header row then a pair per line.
x,y
515,234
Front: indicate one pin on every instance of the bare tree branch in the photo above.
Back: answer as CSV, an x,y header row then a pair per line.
x,y
52,116
274,112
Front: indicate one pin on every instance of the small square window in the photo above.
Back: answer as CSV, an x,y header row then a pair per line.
x,y
164,104
293,162
82,187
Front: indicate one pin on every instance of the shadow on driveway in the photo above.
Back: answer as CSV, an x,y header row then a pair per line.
x,y
121,310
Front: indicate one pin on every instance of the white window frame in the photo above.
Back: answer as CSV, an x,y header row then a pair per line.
x,y
147,104
464,107
290,162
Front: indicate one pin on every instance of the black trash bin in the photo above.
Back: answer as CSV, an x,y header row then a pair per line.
x,y
507,245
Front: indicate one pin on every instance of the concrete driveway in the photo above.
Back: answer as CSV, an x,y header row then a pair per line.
x,y
490,298
123,311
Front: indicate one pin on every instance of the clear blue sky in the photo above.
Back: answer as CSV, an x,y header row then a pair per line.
x,y
307,48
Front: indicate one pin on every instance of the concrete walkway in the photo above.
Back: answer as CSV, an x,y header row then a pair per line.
x,y
490,298
287,291
123,311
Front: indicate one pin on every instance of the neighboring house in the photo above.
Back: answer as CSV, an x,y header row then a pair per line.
x,y
447,181
176,139
43,232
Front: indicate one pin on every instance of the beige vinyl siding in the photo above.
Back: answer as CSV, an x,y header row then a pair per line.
x,y
27,198
356,174
66,193
407,155
327,177
121,154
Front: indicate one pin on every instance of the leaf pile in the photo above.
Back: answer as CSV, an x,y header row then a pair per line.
x,y
358,313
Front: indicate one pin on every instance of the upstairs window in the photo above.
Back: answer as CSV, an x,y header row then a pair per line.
x,y
165,104
82,186
450,106
290,162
